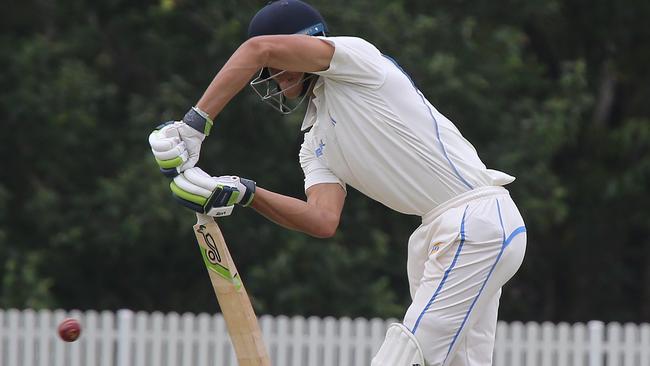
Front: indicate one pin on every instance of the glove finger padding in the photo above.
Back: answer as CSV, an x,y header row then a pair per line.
x,y
172,153
165,138
160,142
225,190
168,149
203,193
193,140
188,186
200,178
189,195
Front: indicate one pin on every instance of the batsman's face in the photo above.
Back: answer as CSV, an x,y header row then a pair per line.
x,y
290,82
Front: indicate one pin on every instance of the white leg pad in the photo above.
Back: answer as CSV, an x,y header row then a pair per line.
x,y
400,348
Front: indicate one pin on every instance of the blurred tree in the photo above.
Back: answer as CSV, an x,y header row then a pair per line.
x,y
553,92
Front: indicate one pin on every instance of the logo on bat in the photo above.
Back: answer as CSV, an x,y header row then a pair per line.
x,y
212,252
213,259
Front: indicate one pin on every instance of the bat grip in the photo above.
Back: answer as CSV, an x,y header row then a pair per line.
x,y
203,219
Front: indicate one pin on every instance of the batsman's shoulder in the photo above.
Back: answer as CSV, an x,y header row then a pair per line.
x,y
349,41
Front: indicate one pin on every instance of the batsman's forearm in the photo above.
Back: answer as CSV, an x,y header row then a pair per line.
x,y
232,78
295,214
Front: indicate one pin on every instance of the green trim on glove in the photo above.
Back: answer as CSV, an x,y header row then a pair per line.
x,y
199,200
208,126
233,198
168,164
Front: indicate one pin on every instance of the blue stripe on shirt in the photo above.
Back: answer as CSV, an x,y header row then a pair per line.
x,y
435,124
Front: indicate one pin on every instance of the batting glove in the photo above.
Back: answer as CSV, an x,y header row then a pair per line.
x,y
214,196
177,145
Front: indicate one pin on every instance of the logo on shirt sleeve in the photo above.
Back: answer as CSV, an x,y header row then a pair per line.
x,y
319,149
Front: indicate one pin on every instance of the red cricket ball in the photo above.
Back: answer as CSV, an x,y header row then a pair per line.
x,y
69,330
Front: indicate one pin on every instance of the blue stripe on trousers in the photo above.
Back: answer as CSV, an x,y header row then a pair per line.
x,y
504,244
446,275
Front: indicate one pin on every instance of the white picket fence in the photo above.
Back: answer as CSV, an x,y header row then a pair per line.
x,y
28,338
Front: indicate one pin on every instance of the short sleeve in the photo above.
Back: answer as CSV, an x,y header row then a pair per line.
x,y
315,171
355,61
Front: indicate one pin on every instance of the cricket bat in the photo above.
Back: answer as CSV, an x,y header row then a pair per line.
x,y
236,307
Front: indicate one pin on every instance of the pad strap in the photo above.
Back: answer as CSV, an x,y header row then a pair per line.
x,y
400,348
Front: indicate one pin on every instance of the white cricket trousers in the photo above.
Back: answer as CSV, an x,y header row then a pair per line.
x,y
459,258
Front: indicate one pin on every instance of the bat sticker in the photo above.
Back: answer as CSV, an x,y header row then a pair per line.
x,y
212,259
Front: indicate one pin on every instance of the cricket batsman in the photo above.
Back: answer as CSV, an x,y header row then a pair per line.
x,y
367,126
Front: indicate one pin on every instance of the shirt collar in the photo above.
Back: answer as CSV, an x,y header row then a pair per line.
x,y
312,106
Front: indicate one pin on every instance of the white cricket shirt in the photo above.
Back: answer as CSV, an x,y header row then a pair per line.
x,y
374,130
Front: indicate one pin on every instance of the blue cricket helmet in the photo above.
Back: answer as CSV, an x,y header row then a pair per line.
x,y
287,17
284,17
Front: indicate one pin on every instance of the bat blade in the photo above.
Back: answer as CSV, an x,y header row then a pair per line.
x,y
236,307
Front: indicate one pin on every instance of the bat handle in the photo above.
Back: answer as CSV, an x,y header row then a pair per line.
x,y
203,219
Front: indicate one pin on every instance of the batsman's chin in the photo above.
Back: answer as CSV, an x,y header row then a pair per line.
x,y
291,94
